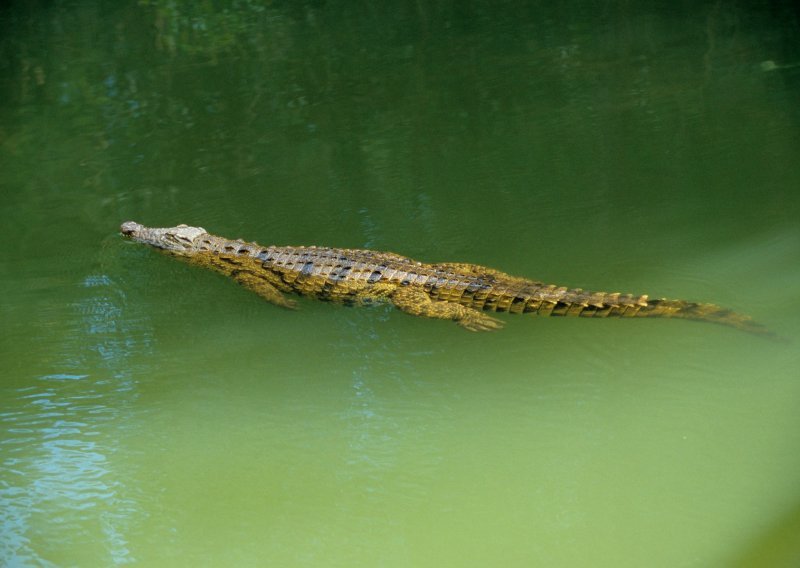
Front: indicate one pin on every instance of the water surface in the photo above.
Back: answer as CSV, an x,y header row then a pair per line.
x,y
153,413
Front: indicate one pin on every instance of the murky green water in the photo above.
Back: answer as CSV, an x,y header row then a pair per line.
x,y
156,414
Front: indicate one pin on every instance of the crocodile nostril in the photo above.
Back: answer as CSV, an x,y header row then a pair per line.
x,y
129,227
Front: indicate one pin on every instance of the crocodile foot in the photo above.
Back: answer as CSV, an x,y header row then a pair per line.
x,y
477,321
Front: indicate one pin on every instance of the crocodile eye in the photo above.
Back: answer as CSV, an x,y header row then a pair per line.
x,y
179,240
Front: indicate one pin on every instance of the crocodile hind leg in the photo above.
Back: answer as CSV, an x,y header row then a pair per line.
x,y
263,288
417,303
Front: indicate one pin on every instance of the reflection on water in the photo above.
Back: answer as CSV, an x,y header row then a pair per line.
x,y
62,433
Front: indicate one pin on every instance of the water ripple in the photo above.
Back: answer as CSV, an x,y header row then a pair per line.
x,y
59,474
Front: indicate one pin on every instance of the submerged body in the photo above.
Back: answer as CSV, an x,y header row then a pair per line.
x,y
452,291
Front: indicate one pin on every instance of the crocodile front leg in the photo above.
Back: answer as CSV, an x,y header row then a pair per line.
x,y
263,288
416,302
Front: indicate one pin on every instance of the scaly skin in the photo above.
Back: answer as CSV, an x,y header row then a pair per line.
x,y
450,291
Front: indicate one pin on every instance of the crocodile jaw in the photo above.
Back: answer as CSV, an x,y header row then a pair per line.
x,y
178,239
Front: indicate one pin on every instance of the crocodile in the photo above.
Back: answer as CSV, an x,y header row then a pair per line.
x,y
450,291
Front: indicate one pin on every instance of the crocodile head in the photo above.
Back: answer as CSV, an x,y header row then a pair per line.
x,y
178,240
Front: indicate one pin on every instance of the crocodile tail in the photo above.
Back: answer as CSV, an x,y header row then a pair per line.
x,y
552,301
701,312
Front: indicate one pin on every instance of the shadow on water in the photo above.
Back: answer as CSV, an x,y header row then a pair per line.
x,y
778,545
63,435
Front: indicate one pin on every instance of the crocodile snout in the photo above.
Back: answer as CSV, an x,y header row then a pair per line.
x,y
129,228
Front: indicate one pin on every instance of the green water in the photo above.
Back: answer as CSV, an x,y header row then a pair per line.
x,y
153,413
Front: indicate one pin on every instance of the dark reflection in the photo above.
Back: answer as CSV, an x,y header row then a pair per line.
x,y
389,104
63,476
